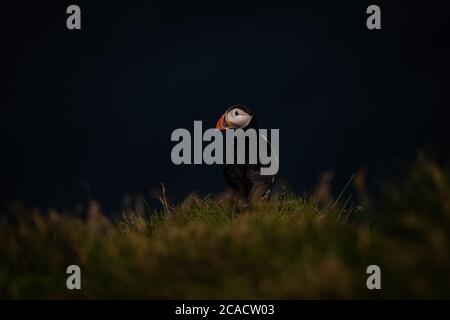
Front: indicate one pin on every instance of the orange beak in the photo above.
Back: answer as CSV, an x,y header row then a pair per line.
x,y
222,123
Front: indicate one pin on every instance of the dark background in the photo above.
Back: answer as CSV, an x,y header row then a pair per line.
x,y
92,111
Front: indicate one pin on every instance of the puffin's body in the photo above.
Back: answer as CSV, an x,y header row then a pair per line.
x,y
245,180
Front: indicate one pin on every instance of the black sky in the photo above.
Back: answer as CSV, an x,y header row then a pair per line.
x,y
97,106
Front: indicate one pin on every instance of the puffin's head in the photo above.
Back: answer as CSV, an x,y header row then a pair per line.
x,y
236,117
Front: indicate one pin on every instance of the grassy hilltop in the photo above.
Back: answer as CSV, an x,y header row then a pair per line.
x,y
291,247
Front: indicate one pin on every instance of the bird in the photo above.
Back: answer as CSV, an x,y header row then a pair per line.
x,y
245,180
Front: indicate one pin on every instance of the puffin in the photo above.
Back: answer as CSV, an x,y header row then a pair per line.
x,y
245,180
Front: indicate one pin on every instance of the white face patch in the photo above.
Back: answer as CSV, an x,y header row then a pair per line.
x,y
238,118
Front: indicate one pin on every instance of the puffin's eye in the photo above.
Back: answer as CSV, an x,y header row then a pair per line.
x,y
236,113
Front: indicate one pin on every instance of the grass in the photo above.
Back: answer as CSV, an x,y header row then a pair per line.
x,y
291,247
